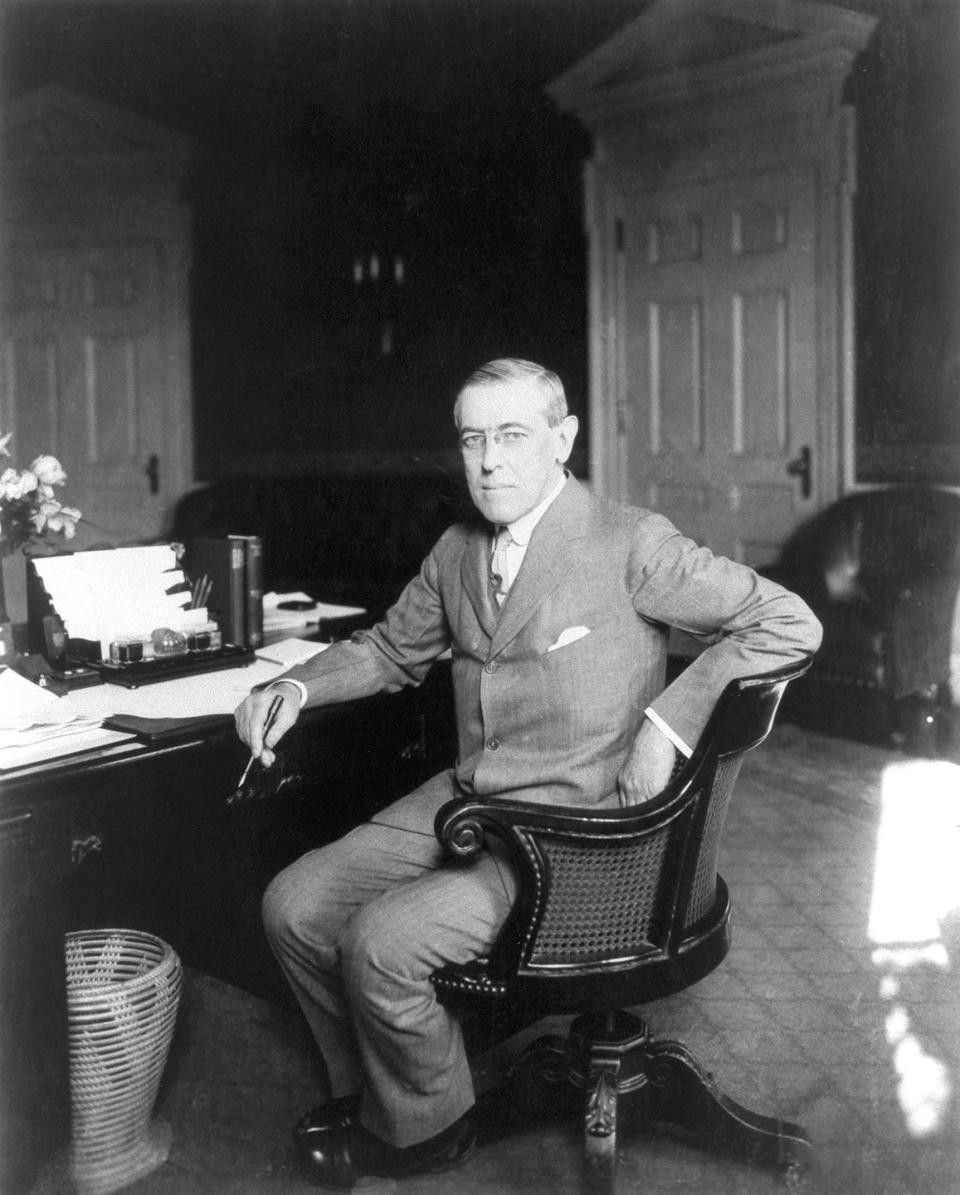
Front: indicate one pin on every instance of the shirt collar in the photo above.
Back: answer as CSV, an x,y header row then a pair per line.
x,y
522,529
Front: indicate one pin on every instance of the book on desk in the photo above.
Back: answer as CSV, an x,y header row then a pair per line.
x,y
130,613
229,571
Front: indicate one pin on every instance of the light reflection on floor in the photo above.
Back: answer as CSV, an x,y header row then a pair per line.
x,y
916,889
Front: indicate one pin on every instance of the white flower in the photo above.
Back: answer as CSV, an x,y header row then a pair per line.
x,y
44,510
29,513
49,471
65,520
17,485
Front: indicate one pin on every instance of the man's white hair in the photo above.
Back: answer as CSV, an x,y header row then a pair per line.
x,y
515,369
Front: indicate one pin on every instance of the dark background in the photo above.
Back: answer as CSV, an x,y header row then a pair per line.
x,y
330,130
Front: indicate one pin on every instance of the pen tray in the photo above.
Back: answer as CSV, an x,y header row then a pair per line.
x,y
146,672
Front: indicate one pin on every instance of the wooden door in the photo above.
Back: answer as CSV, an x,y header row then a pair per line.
x,y
85,380
719,373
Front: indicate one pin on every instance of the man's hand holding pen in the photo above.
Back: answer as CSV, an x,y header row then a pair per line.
x,y
252,715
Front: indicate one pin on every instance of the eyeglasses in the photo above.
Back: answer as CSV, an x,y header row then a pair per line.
x,y
474,443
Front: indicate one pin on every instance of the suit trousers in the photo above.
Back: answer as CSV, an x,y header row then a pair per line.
x,y
358,926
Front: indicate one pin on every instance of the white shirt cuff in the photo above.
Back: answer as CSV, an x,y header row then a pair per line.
x,y
672,735
288,680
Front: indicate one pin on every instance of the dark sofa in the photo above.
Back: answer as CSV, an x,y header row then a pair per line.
x,y
346,538
881,569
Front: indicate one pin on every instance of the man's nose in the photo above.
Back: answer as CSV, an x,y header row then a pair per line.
x,y
492,454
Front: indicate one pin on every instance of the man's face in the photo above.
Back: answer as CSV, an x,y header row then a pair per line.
x,y
511,454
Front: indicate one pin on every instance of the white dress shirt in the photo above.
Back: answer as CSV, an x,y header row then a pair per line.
x,y
520,531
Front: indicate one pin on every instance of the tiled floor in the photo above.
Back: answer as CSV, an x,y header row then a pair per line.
x,y
802,1019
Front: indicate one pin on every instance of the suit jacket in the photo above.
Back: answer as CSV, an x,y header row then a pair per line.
x,y
550,689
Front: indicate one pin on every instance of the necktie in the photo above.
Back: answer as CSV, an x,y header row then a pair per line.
x,y
499,568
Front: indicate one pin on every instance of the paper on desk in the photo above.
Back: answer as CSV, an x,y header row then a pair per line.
x,y
290,651
275,619
86,739
24,704
29,714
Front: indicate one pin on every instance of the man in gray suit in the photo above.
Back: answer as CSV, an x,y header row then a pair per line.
x,y
556,609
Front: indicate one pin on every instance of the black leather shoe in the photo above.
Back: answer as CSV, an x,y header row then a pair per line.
x,y
327,1115
340,1151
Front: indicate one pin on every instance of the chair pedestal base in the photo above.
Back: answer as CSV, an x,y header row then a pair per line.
x,y
616,1071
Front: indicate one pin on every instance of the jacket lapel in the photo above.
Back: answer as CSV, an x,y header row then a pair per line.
x,y
546,561
475,578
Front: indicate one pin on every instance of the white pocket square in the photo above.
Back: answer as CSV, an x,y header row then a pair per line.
x,y
569,635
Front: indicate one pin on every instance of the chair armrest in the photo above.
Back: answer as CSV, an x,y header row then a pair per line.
x,y
526,828
531,833
461,825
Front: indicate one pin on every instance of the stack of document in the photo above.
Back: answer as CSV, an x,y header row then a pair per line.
x,y
308,612
35,724
119,593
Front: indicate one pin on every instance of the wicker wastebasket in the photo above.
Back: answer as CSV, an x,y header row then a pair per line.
x,y
123,988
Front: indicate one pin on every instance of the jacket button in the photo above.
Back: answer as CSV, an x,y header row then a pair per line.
x,y
490,666
493,744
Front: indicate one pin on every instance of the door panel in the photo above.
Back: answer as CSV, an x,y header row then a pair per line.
x,y
720,358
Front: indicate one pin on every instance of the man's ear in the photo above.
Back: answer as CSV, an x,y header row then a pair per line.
x,y
566,434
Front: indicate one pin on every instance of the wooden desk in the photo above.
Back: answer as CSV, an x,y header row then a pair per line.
x,y
150,837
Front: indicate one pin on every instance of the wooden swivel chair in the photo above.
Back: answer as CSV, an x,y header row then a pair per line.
x,y
615,909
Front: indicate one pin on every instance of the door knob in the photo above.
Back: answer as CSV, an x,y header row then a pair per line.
x,y
800,467
152,471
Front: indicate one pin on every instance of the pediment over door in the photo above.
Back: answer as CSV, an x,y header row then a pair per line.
x,y
677,48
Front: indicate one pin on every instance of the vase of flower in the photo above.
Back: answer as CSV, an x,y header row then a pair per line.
x,y
30,516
